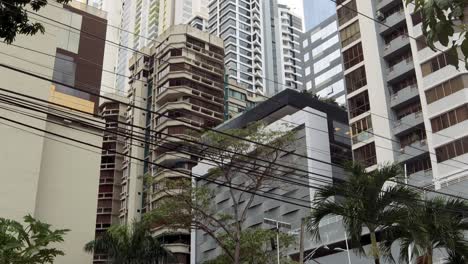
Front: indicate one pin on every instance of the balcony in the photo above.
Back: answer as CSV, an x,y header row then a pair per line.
x,y
171,157
421,178
407,123
391,21
396,46
363,136
400,70
413,151
404,96
383,5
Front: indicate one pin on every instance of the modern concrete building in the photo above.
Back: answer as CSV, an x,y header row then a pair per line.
x,y
174,12
183,80
321,136
282,30
110,178
199,21
321,62
406,104
401,119
114,17
52,178
240,25
238,99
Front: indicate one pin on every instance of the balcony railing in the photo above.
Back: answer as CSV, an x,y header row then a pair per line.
x,y
363,136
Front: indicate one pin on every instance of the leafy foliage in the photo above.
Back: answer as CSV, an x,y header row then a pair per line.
x,y
129,244
364,202
442,20
30,243
236,162
256,247
434,224
14,18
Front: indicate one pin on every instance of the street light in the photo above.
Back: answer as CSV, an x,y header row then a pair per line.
x,y
278,225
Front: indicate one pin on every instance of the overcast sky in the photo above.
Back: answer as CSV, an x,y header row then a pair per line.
x,y
296,6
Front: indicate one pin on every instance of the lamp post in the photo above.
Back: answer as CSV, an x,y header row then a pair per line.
x,y
278,225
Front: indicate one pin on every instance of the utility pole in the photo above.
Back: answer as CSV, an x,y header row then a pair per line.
x,y
301,243
278,225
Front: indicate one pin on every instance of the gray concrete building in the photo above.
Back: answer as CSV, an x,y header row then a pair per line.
x,y
321,135
321,61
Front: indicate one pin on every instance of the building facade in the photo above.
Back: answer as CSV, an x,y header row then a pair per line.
x,y
140,24
282,30
240,24
406,103
321,61
110,178
321,136
182,80
52,178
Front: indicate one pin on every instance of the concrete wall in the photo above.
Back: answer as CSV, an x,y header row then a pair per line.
x,y
68,187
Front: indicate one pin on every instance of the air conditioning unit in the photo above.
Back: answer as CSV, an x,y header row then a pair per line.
x,y
380,16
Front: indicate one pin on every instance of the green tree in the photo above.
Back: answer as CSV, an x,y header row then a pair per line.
x,y
258,246
442,19
364,201
14,18
236,162
434,224
30,243
125,244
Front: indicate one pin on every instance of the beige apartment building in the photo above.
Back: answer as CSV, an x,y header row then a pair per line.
x,y
52,178
180,75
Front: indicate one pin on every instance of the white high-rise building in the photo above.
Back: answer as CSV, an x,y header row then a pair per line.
x,y
239,24
282,30
139,23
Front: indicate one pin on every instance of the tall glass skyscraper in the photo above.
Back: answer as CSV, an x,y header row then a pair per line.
x,y
316,11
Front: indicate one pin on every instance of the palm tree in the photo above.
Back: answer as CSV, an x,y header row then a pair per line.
x,y
437,223
125,244
364,200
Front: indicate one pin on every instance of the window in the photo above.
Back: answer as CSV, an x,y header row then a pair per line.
x,y
328,74
415,136
356,79
237,95
309,85
452,149
366,155
421,43
350,34
361,125
353,56
325,62
418,165
305,43
434,64
347,12
416,18
444,89
359,104
408,110
325,45
307,71
450,118
306,57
